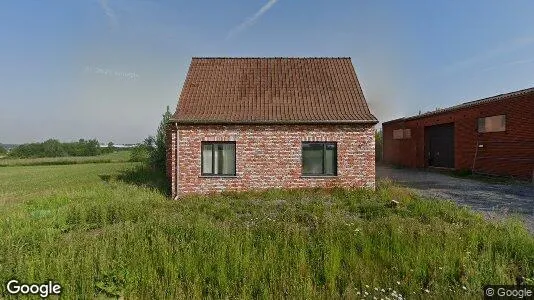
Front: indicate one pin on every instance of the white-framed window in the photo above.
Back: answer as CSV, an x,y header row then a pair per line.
x,y
492,124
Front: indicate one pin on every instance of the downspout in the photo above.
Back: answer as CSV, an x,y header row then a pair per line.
x,y
475,158
176,173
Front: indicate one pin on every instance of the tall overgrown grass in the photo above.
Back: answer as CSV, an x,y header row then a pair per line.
x,y
112,238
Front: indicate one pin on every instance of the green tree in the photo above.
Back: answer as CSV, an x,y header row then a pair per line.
x,y
110,148
28,150
158,152
3,150
149,142
140,153
379,145
53,148
143,151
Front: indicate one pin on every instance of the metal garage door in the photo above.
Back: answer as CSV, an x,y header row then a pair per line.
x,y
439,142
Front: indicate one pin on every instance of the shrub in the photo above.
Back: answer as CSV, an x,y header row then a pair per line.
x,y
153,150
158,152
379,145
109,149
140,153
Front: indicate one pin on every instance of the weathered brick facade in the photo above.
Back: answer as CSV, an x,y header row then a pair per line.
x,y
269,156
509,152
267,108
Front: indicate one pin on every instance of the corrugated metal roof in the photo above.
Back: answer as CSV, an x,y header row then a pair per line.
x,y
500,97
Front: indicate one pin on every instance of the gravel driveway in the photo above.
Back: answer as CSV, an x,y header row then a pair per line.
x,y
490,198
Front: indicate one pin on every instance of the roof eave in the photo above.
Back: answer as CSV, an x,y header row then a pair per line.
x,y
394,121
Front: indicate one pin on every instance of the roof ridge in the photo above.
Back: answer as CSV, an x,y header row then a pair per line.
x,y
271,57
498,96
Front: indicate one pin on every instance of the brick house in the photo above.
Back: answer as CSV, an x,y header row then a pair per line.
x,y
255,123
493,135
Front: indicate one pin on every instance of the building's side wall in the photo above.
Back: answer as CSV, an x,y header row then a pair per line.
x,y
270,156
402,152
170,145
503,153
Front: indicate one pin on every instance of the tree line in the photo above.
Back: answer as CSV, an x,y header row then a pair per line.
x,y
152,151
55,148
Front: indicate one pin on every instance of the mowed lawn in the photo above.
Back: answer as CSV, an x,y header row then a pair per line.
x,y
106,230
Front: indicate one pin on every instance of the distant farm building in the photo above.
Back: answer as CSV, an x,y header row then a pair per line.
x,y
493,136
125,146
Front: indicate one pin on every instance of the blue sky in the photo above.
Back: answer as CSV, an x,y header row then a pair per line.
x,y
107,69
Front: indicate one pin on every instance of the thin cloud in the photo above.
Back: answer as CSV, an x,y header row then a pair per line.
x,y
110,13
492,53
251,20
109,72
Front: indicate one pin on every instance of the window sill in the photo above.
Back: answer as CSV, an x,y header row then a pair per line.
x,y
492,132
318,176
218,176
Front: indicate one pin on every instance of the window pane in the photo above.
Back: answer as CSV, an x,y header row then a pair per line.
x,y
312,158
216,159
330,160
227,159
407,133
206,159
481,125
495,123
492,124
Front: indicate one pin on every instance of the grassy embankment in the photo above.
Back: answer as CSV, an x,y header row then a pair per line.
x,y
98,232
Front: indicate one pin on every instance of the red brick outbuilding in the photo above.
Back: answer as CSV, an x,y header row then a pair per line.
x,y
493,136
256,123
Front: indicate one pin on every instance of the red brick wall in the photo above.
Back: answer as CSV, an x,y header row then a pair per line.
x,y
402,152
504,153
270,156
170,145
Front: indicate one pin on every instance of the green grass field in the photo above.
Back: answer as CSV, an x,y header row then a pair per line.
x,y
118,156
106,230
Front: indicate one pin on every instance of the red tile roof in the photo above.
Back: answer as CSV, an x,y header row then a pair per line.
x,y
272,90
